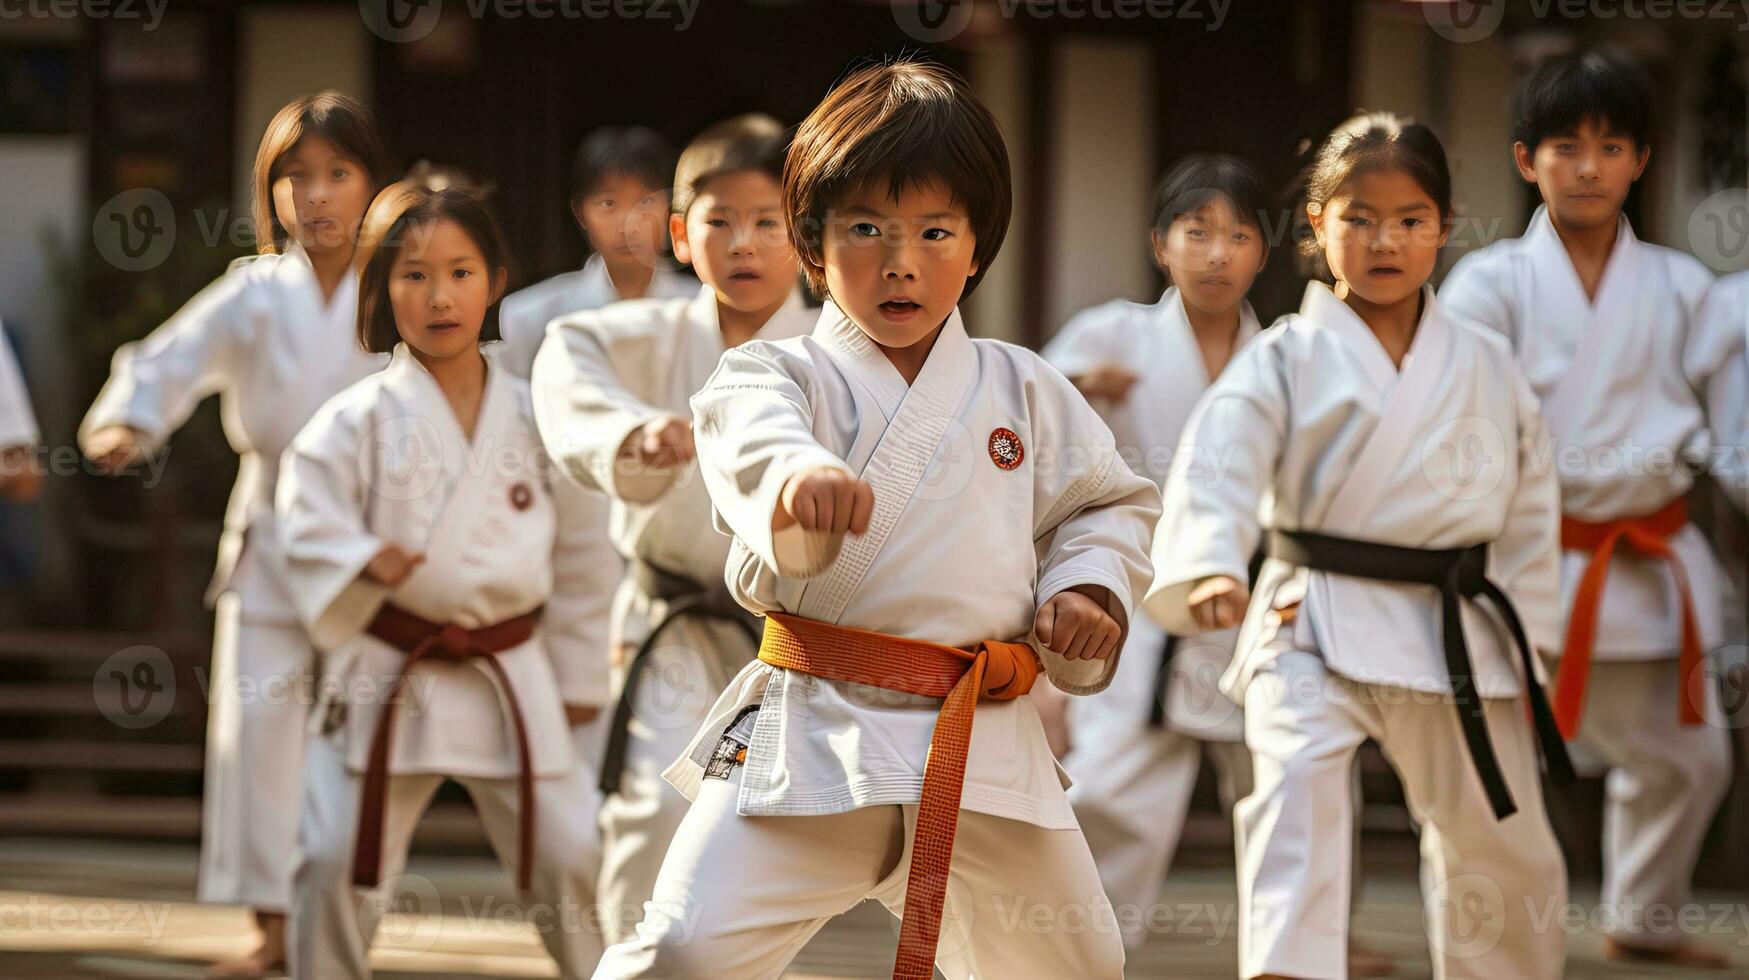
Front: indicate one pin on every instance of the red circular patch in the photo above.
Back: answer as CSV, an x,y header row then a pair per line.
x,y
1005,449
521,497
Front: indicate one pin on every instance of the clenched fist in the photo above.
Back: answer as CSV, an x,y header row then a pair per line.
x,y
1218,602
824,498
391,566
1108,381
1077,627
664,442
115,447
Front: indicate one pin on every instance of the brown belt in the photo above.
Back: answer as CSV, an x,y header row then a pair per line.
x,y
420,638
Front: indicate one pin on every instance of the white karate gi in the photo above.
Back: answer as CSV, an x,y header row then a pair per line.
x,y
262,338
1133,782
958,550
386,462
1630,385
1315,422
17,420
523,316
601,376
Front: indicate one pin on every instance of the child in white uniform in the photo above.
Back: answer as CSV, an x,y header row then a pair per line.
x,y
919,516
457,601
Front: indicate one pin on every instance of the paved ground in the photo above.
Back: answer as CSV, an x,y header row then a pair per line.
x,y
114,909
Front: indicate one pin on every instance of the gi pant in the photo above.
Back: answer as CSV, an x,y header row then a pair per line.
x,y
740,896
333,922
1495,890
1133,785
683,677
260,694
1664,785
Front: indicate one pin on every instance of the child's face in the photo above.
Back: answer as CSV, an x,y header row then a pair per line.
x,y
440,290
1382,234
898,267
320,195
1211,255
1583,176
625,220
735,238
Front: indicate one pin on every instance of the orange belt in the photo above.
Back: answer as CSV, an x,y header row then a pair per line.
x,y
996,670
420,638
1650,536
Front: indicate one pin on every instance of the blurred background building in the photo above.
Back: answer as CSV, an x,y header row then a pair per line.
x,y
127,129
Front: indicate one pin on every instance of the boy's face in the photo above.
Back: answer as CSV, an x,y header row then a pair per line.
x,y
1584,176
625,220
898,267
320,195
1211,255
735,238
440,290
1381,234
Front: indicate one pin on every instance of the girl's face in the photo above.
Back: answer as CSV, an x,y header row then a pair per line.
x,y
321,195
440,290
625,220
898,267
1381,234
735,238
1211,255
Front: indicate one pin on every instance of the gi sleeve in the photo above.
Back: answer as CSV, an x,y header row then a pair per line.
x,y
752,422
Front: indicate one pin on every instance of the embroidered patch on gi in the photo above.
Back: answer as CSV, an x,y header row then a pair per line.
x,y
1005,449
521,497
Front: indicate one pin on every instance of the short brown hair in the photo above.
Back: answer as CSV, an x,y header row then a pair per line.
x,y
400,208
899,124
336,117
750,142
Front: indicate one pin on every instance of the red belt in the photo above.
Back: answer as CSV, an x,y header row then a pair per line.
x,y
420,638
997,670
1650,536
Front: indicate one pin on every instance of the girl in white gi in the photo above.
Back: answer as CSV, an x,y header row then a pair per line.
x,y
619,199
456,600
1381,453
273,338
611,394
919,516
1136,747
20,477
1635,389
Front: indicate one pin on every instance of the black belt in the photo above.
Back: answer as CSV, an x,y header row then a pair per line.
x,y
1458,573
684,597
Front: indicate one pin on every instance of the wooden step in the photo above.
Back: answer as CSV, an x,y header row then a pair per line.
x,y
59,755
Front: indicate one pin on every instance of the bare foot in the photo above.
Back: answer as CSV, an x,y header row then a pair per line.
x,y
265,960
1686,954
1364,961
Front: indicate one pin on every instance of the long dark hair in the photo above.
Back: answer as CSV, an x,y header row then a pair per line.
x,y
396,212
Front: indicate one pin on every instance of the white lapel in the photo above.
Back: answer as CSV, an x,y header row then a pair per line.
x,y
462,461
907,446
594,287
1405,400
1600,337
